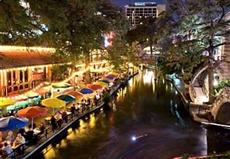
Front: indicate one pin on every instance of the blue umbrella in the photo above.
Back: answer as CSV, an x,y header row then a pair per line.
x,y
67,98
86,91
110,77
12,123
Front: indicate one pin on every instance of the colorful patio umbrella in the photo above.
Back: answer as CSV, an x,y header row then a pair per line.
x,y
61,85
53,103
18,105
86,91
6,101
110,77
32,94
94,86
32,112
103,84
67,98
114,74
76,94
105,81
12,123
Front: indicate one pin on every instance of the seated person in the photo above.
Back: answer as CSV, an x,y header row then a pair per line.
x,y
29,135
19,140
42,128
10,137
7,149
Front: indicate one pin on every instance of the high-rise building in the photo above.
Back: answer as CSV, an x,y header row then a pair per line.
x,y
139,10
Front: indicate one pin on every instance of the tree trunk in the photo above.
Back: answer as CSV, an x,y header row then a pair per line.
x,y
210,72
210,84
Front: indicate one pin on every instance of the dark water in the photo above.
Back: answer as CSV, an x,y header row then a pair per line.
x,y
146,109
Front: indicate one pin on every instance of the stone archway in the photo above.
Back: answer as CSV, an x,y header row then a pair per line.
x,y
223,115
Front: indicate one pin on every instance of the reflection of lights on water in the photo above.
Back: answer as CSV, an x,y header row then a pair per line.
x,y
92,121
147,79
154,84
133,138
131,85
82,126
49,152
177,81
121,94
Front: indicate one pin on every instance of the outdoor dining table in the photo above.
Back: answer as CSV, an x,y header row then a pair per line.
x,y
36,131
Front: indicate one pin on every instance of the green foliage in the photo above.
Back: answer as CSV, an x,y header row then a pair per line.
x,y
121,53
59,72
73,27
182,59
186,30
106,97
221,85
17,24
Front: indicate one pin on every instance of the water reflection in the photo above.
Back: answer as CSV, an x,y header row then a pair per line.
x,y
146,108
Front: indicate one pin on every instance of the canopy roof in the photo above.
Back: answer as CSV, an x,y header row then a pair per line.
x,y
11,58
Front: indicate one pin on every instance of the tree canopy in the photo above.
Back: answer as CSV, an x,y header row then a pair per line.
x,y
74,27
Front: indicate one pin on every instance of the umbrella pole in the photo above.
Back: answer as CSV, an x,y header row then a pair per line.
x,y
32,123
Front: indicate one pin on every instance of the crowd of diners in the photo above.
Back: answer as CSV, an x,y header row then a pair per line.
x,y
14,142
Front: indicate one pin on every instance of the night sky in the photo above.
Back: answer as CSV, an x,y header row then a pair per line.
x,y
122,3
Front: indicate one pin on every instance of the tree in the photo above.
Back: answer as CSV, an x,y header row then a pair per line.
x,y
74,28
122,53
17,24
144,33
202,23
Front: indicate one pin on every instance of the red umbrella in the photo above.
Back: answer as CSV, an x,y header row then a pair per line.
x,y
32,112
76,94
94,86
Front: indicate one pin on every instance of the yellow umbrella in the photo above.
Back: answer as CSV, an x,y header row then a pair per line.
x,y
53,102
114,73
103,84
6,101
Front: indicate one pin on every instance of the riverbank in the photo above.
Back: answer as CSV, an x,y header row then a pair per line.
x,y
193,109
33,151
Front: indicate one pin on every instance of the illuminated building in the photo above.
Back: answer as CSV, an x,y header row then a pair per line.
x,y
140,10
22,68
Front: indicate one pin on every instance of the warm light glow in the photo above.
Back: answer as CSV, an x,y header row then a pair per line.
x,y
9,48
147,79
92,121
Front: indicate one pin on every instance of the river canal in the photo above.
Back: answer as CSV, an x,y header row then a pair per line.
x,y
147,122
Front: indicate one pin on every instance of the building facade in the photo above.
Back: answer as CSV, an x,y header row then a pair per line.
x,y
139,10
24,68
